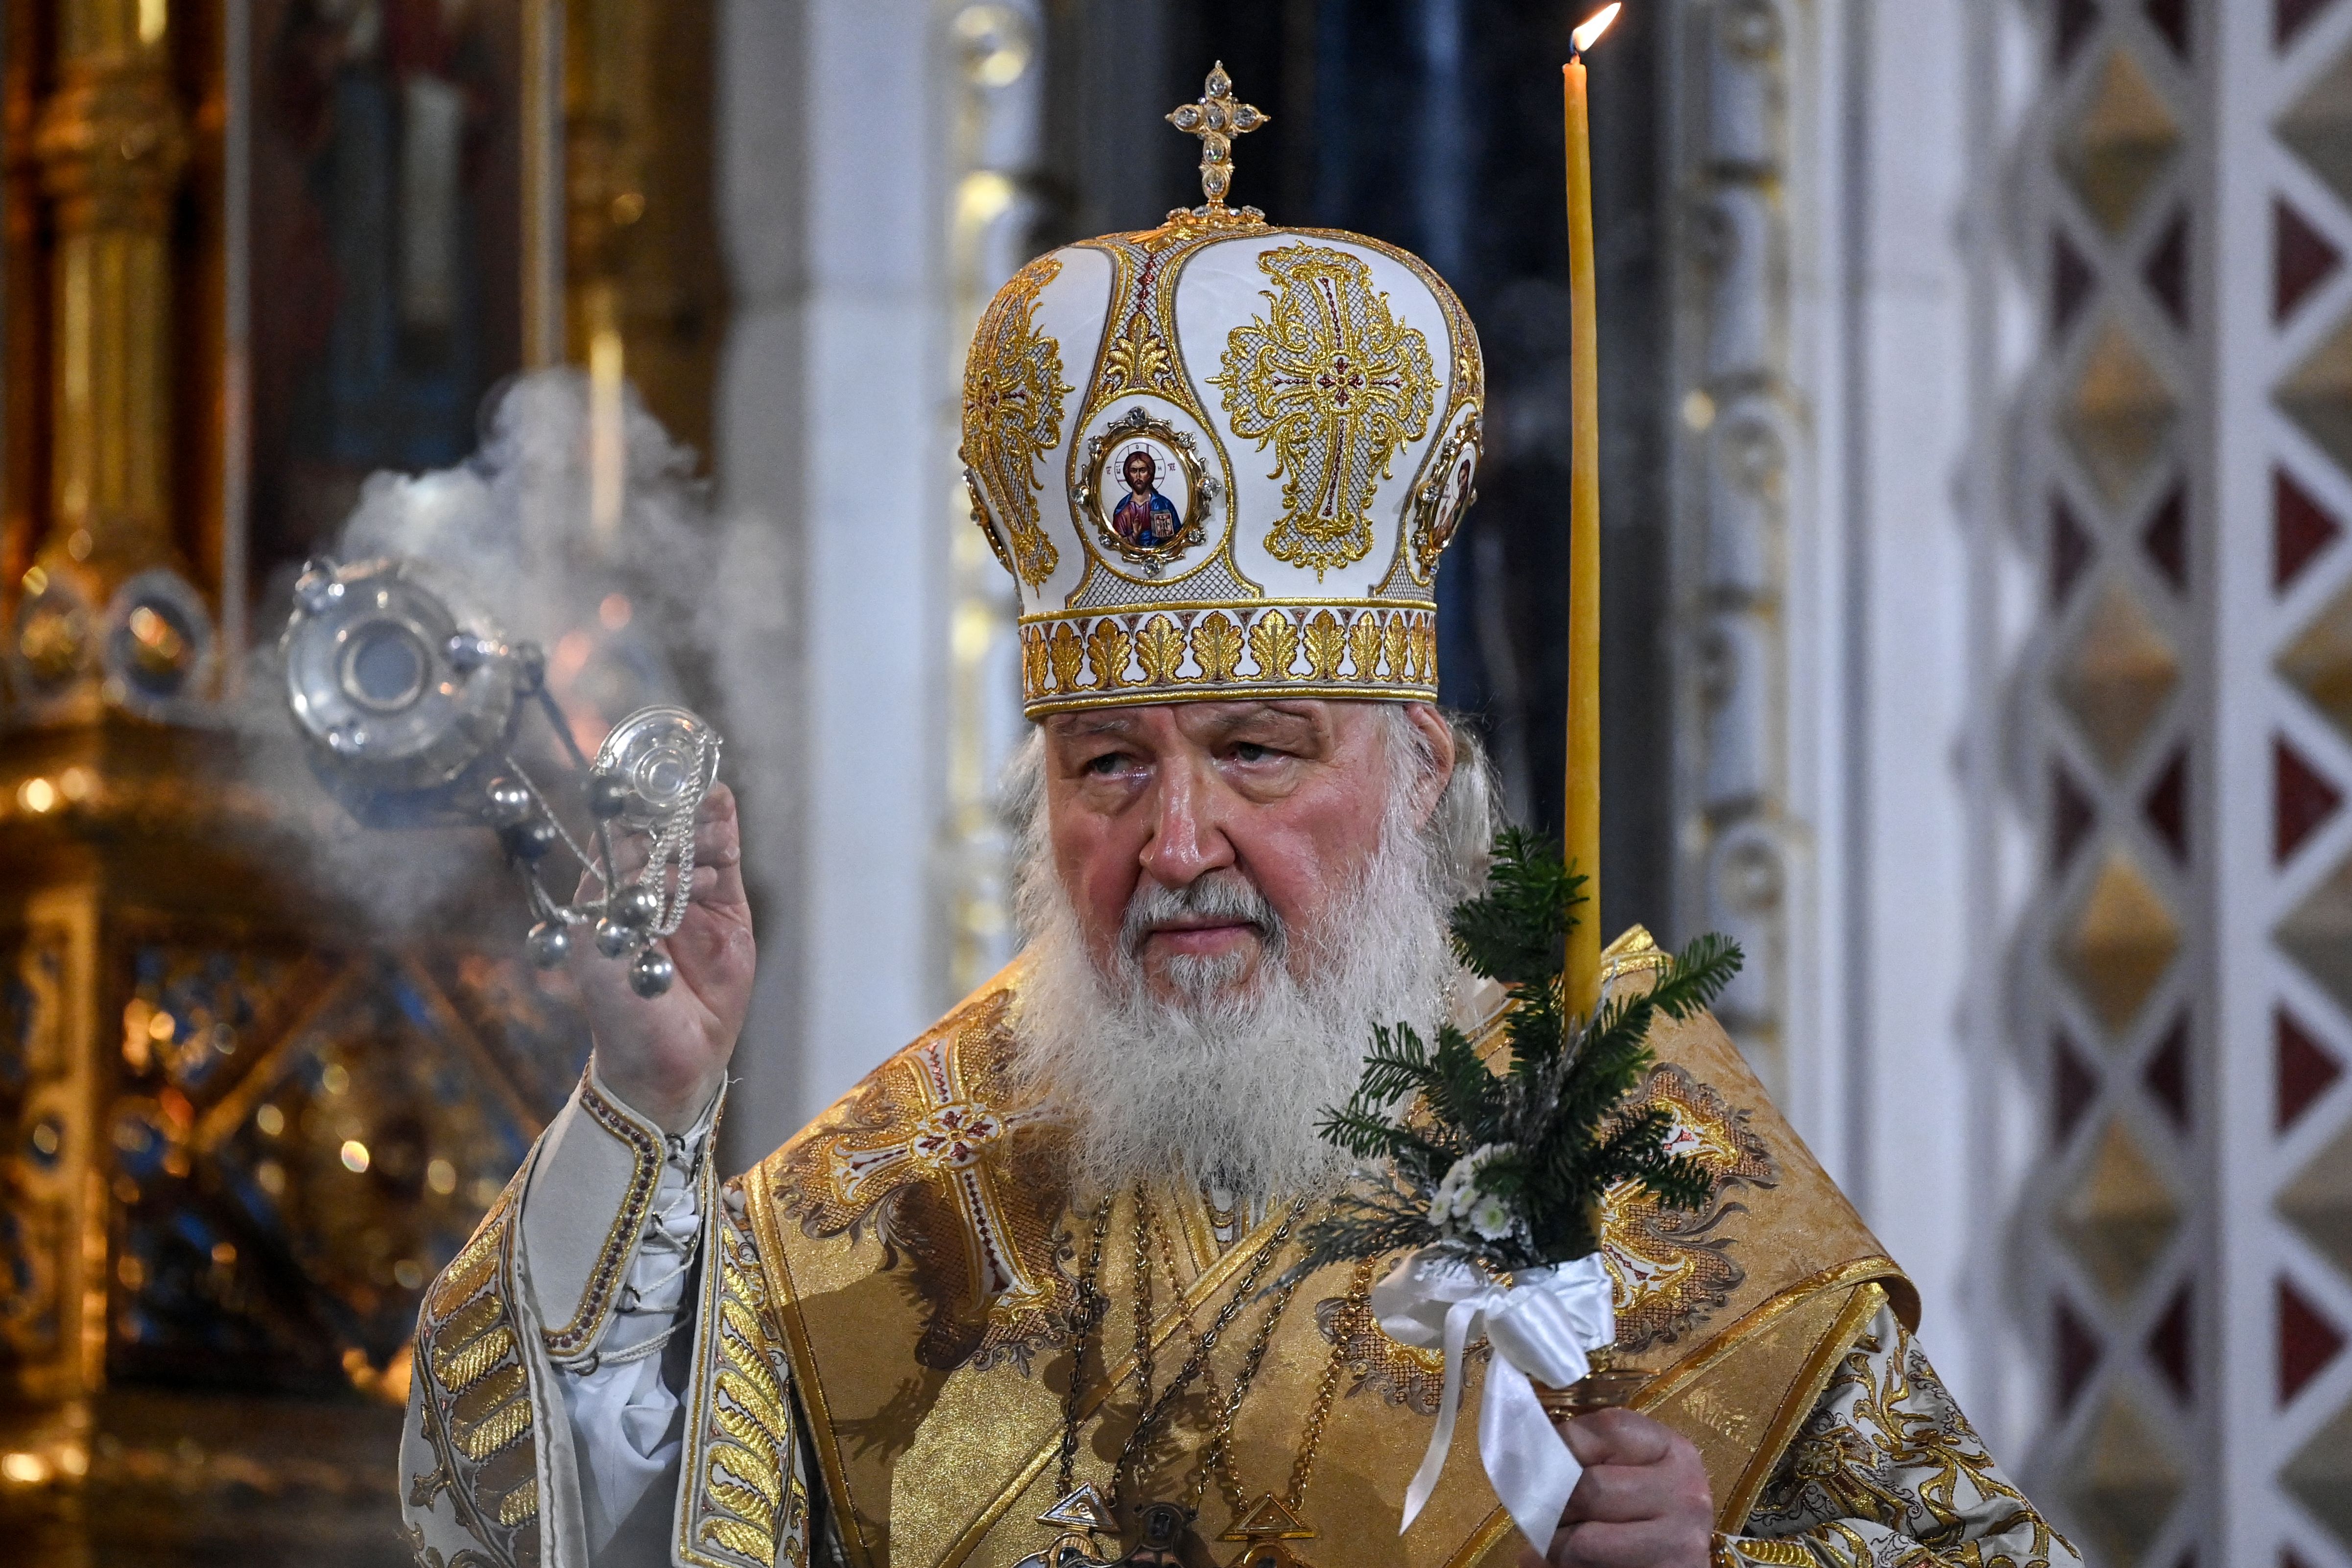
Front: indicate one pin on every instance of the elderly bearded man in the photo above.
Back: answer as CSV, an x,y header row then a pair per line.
x,y
1010,1300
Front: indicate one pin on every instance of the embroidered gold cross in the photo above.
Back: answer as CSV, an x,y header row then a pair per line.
x,y
943,1141
1216,119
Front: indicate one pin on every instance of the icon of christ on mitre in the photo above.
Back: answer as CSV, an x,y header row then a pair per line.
x,y
1031,1294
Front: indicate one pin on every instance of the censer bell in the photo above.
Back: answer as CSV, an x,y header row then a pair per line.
x,y
409,698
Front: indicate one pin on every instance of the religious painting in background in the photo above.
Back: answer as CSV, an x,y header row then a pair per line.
x,y
1146,489
385,271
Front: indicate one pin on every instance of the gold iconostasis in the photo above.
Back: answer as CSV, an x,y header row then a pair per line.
x,y
256,250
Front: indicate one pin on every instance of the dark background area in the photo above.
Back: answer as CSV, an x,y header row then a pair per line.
x,y
1435,124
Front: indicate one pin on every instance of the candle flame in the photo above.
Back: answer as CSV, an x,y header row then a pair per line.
x,y
1594,26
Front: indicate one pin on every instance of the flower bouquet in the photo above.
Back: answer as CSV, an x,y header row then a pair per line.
x,y
1487,1169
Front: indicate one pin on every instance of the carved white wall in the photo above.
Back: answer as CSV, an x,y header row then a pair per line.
x,y
1840,560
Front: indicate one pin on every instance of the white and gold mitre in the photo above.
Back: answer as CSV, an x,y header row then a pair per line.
x,y
1222,458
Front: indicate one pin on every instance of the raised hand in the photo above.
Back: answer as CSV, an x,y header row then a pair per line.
x,y
667,1055
1644,1501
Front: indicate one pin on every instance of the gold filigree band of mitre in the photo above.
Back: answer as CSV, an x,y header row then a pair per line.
x,y
1361,649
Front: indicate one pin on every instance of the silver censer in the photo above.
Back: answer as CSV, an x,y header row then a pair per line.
x,y
409,698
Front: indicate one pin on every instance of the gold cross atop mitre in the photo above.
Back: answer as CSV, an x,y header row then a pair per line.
x,y
1216,117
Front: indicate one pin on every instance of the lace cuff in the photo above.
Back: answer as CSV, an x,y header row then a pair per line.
x,y
602,1174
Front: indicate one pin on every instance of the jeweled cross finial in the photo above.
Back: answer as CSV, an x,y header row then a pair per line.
x,y
1216,119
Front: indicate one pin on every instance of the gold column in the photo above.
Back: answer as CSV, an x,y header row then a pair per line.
x,y
23,67
644,299
96,142
111,142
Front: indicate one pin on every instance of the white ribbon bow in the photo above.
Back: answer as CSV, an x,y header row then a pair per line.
x,y
1541,1326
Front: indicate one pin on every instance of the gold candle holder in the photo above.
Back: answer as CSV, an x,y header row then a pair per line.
x,y
1607,1386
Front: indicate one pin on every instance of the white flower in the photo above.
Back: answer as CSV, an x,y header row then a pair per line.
x,y
1459,1201
1490,1216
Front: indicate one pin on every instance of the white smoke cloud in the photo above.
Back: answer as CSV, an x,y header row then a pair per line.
x,y
654,600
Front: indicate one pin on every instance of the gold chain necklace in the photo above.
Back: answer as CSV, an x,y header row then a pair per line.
x,y
1265,1525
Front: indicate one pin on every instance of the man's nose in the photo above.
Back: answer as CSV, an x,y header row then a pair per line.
x,y
1186,842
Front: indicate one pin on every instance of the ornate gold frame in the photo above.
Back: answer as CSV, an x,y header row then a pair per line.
x,y
1094,496
1425,543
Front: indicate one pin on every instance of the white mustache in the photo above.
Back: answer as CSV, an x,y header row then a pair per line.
x,y
1217,895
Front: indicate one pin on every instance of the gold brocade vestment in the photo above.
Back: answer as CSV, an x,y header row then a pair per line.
x,y
920,1256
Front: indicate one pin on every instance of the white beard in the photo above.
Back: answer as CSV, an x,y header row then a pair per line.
x,y
1226,1083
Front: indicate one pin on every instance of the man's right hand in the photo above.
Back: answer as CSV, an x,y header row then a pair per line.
x,y
666,1056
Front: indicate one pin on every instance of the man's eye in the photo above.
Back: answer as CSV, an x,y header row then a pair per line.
x,y
1250,752
1109,764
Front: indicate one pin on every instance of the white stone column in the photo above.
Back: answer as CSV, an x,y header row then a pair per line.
x,y
830,153
874,156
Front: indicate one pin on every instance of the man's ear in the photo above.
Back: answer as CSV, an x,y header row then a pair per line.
x,y
1438,736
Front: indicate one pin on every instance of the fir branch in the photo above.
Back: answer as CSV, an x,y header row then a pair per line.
x,y
1543,1140
1369,1135
1695,977
1375,1217
1516,931
1399,1065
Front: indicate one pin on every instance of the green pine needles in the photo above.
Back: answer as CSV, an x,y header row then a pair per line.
x,y
1508,1168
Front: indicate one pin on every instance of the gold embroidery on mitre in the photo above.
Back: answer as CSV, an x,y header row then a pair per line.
x,y
1159,649
1338,650
1364,646
1036,664
1068,656
1274,643
1012,392
1337,386
1326,645
928,1157
1674,1267
1216,646
1107,651
1136,358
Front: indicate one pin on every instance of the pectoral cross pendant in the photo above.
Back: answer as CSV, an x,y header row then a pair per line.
x,y
1268,1528
1084,1514
1266,1531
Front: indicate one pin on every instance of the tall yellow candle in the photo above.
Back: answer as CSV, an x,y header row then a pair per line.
x,y
1583,818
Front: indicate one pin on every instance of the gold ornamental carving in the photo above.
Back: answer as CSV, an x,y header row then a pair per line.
x,y
1337,384
1012,392
112,143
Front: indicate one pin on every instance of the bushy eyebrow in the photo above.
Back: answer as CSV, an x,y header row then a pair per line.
x,y
1067,726
1229,719
1226,725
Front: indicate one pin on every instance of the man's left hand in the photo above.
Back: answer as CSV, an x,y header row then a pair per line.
x,y
1644,1501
